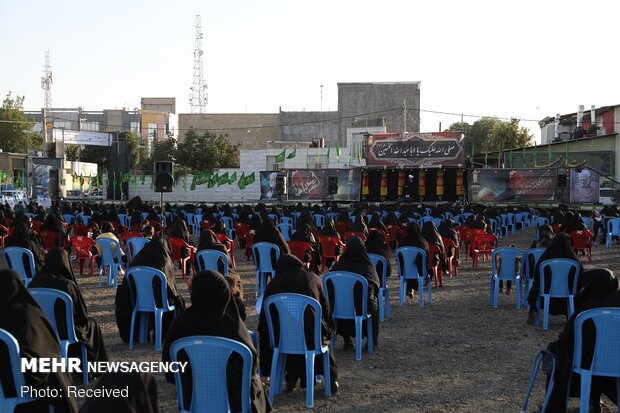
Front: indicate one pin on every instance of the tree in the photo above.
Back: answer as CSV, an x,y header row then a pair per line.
x,y
207,152
71,152
15,131
460,127
492,134
133,148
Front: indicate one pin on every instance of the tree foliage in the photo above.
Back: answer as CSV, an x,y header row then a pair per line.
x,y
492,134
71,152
133,148
15,135
206,152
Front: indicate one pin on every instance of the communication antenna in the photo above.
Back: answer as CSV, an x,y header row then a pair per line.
x,y
198,92
46,81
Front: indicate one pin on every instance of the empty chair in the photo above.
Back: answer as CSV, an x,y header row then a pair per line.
x,y
380,264
20,260
582,241
82,246
509,260
560,285
210,391
332,215
342,283
265,255
319,220
111,259
531,258
613,230
140,281
407,259
212,260
286,230
134,245
291,309
482,244
286,220
47,299
228,222
125,220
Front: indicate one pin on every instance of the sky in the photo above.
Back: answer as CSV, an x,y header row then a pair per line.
x,y
525,59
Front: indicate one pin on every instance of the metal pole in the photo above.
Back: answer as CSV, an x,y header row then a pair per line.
x,y
162,212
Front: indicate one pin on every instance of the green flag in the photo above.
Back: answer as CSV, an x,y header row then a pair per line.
x,y
281,156
250,179
241,182
223,179
329,150
143,177
81,179
292,154
213,180
338,152
126,177
232,178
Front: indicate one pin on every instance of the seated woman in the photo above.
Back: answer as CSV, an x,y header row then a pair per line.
x,y
155,254
268,232
375,222
23,236
22,317
375,244
356,260
293,277
53,223
414,238
214,313
304,233
545,236
57,273
560,247
329,230
107,232
208,241
179,230
600,289
359,225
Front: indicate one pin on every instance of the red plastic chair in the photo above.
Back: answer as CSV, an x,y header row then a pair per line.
x,y
482,244
433,250
350,234
49,238
205,225
36,225
394,232
241,230
249,243
453,260
83,251
299,249
328,249
342,227
80,230
176,245
556,228
465,238
223,238
7,232
582,242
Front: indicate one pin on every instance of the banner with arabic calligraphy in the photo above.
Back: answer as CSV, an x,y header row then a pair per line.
x,y
416,149
512,185
312,184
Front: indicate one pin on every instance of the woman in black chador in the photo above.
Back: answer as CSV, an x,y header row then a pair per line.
x,y
293,277
356,260
22,317
414,239
214,313
23,236
155,254
57,273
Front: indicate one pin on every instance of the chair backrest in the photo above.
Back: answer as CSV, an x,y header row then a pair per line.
x,y
82,245
286,230
262,252
377,259
484,242
328,245
351,234
134,245
406,258
528,267
68,218
211,260
286,220
319,220
47,299
341,227
291,309
175,247
394,231
332,215
14,257
437,221
124,219
344,293
449,243
464,233
587,222
49,238
299,248
140,282
273,217
508,258
211,354
560,277
613,226
15,364
580,239
606,351
110,249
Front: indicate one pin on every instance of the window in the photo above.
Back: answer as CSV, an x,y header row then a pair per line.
x,y
61,124
90,126
320,162
152,137
272,165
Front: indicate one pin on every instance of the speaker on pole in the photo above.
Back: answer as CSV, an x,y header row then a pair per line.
x,y
332,185
163,179
562,181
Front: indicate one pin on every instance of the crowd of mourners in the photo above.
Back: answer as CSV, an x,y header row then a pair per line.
x,y
217,302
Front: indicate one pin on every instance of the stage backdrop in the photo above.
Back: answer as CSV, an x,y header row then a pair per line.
x,y
311,184
584,186
512,185
416,149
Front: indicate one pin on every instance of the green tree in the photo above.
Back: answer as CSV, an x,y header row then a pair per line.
x,y
133,148
491,134
15,131
207,152
460,127
71,152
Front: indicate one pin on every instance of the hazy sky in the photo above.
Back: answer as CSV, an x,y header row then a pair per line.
x,y
525,59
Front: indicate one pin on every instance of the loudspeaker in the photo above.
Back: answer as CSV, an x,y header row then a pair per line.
x,y
53,183
562,181
332,185
281,185
162,175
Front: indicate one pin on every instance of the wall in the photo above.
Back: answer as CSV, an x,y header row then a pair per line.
x,y
305,126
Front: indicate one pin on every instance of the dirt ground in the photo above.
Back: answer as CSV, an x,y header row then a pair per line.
x,y
456,355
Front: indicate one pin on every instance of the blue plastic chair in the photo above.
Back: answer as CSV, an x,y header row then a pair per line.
x,y
508,257
208,358
286,230
286,220
539,222
613,230
424,220
587,222
134,245
523,219
14,257
332,215
124,219
210,260
108,260
262,252
525,276
85,219
144,216
437,221
140,282
68,218
292,340
385,309
495,228
319,220
228,222
448,215
408,270
543,358
606,353
273,217
47,298
344,305
559,288
9,404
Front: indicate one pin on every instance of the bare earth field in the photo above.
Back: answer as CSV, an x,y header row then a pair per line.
x,y
456,355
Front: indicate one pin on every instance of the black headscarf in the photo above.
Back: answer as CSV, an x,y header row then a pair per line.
x,y
375,222
303,233
432,236
22,317
575,224
23,236
179,230
214,313
355,259
545,236
208,241
359,225
375,244
329,229
447,230
268,232
414,237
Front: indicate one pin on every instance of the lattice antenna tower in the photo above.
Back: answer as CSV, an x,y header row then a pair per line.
x,y
198,92
46,81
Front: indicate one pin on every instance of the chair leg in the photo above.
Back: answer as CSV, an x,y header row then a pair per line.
x,y
84,364
158,327
274,376
327,378
381,309
358,338
309,380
